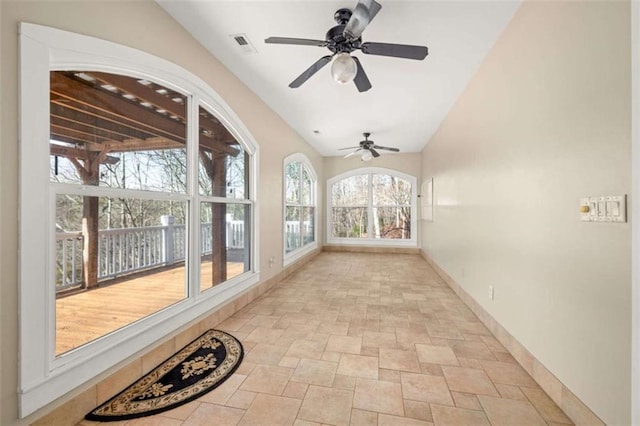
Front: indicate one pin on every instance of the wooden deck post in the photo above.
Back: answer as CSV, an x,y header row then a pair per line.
x,y
90,174
219,220
215,166
90,241
167,222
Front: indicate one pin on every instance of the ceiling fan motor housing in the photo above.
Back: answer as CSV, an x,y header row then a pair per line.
x,y
366,143
338,43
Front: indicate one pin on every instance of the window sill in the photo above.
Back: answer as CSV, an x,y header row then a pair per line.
x,y
372,242
295,255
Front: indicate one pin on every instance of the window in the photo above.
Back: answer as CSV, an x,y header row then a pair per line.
x,y
372,206
106,134
300,212
137,206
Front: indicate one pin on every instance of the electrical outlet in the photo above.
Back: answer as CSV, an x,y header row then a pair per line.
x,y
490,292
272,260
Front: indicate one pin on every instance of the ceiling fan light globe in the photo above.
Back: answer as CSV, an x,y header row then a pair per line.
x,y
344,68
366,156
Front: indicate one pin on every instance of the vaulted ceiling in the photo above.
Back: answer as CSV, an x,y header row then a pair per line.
x,y
409,98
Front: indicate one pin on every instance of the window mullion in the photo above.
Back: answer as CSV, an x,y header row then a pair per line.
x,y
300,204
370,208
193,224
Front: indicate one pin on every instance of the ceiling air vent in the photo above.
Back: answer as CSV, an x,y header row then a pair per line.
x,y
242,41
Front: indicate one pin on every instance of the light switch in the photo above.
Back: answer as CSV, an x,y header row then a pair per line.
x,y
608,208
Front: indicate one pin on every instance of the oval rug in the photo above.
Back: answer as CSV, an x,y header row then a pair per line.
x,y
196,369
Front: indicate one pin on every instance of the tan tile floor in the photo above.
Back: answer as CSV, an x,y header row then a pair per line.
x,y
366,339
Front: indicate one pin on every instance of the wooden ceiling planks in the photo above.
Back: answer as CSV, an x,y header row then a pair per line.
x,y
74,94
100,112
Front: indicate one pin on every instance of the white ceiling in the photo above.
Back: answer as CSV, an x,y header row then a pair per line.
x,y
408,100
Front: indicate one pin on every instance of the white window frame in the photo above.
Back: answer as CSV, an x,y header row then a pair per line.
x,y
288,258
43,377
372,241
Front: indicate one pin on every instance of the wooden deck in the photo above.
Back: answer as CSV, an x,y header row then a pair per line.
x,y
85,316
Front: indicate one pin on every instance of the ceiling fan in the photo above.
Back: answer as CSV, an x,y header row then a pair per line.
x,y
345,38
368,149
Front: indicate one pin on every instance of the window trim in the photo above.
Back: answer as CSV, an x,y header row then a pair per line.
x,y
42,376
371,241
289,258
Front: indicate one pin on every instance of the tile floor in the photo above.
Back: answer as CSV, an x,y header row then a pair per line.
x,y
366,339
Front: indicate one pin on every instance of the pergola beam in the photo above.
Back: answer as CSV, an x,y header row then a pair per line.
x,y
112,106
143,93
96,121
57,130
150,95
79,154
131,145
66,123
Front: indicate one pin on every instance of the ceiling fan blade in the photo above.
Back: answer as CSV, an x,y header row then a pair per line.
x,y
373,152
296,41
352,153
310,71
362,15
395,50
361,80
351,147
387,148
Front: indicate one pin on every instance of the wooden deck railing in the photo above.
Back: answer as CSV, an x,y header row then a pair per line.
x,y
127,250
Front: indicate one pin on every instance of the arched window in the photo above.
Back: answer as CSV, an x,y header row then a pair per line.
x,y
137,198
299,207
374,206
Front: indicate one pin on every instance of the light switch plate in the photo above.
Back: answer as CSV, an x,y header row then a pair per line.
x,y
604,208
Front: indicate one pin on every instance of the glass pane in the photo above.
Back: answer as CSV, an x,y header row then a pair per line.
x,y
292,183
292,229
125,264
392,222
307,187
116,131
223,163
391,191
308,223
350,222
352,191
224,242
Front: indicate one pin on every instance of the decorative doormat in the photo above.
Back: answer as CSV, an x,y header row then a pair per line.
x,y
196,369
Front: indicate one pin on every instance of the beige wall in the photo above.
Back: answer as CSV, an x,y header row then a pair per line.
x,y
545,121
409,163
145,26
